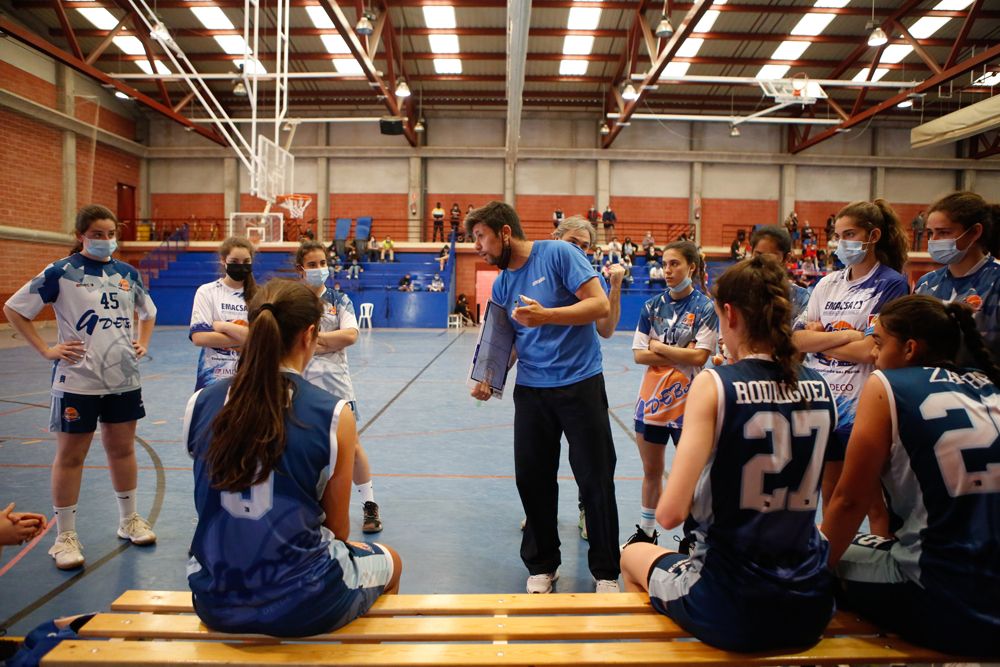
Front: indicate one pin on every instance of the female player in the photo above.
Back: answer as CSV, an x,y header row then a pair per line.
x,y
219,314
774,241
677,332
747,471
964,235
872,246
96,371
273,456
928,431
328,369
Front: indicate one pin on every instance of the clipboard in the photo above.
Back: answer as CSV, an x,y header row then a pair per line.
x,y
491,360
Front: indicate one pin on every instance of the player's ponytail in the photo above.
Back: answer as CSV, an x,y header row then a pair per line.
x,y
249,284
967,209
248,434
758,288
891,247
941,328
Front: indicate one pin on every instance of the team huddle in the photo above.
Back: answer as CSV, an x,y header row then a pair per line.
x,y
857,396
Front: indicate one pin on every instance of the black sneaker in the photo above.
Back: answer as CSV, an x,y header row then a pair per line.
x,y
641,536
684,545
371,523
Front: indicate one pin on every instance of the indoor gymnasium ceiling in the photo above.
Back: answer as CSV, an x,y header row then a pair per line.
x,y
579,54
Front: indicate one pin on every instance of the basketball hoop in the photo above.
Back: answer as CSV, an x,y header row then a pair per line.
x,y
295,204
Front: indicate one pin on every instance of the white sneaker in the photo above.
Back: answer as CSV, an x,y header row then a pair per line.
x,y
137,530
542,583
67,551
607,586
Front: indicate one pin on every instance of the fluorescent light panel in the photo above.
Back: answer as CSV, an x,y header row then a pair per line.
x,y
101,18
160,67
440,17
573,67
789,50
129,44
347,66
863,74
234,45
772,72
674,69
895,53
212,18
988,79
447,65
689,49
813,24
319,17
334,44
927,26
584,18
578,45
953,5
443,43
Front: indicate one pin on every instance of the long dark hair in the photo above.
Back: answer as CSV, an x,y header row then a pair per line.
x,y
689,251
87,216
758,288
249,284
968,209
248,434
942,327
892,246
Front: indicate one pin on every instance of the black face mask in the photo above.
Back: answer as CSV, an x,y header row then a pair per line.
x,y
504,260
239,272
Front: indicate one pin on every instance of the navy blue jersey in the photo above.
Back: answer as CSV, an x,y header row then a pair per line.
x,y
943,483
258,553
754,509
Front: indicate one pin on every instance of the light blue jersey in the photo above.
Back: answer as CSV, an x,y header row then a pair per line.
x,y
551,355
329,370
979,289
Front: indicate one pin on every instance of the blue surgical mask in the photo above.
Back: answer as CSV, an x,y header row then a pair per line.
x,y
851,252
945,251
681,286
100,247
316,277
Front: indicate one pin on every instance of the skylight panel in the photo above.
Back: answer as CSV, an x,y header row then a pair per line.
x,y
129,44
895,53
863,74
160,67
813,24
447,65
319,17
789,50
707,21
952,5
101,18
578,45
443,43
440,17
584,18
927,26
334,44
674,69
212,18
832,3
234,45
347,66
689,49
573,67
772,72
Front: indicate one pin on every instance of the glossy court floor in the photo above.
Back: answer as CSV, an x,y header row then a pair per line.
x,y
442,463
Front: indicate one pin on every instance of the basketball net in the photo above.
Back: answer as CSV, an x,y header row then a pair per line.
x,y
296,205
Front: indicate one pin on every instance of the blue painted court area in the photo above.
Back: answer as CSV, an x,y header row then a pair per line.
x,y
442,463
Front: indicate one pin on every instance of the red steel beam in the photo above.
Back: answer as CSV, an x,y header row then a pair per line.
x,y
67,29
982,58
862,46
34,41
984,145
963,34
932,64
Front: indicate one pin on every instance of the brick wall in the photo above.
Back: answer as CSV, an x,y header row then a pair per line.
x,y
721,218
98,173
27,85
37,179
106,119
536,211
427,228
387,211
191,205
23,261
666,217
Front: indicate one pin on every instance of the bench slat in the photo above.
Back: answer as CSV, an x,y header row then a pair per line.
x,y
828,651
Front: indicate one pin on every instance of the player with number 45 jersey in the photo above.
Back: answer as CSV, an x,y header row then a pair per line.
x,y
929,431
745,481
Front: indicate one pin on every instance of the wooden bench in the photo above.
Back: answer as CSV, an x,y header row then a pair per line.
x,y
160,628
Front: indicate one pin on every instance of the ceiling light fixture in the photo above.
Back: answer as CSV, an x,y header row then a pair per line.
x,y
605,128
629,92
365,26
239,88
663,29
419,127
877,36
402,90
734,130
122,96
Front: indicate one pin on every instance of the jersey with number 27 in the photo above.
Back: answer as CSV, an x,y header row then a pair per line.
x,y
943,478
95,303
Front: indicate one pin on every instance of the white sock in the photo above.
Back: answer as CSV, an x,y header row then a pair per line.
x,y
647,520
65,518
126,503
366,492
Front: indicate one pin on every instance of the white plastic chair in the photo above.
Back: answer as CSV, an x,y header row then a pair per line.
x,y
366,315
455,320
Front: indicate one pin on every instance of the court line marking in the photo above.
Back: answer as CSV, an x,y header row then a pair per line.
x,y
28,547
154,513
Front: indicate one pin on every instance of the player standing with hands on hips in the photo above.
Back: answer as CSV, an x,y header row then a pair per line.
x,y
554,297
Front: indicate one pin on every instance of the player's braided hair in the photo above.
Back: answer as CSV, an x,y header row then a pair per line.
x,y
942,327
758,288
248,434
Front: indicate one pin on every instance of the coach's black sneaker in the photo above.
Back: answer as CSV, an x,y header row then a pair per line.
x,y
371,523
641,536
684,545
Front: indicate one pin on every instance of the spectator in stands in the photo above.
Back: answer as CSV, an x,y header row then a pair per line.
x,y
829,227
657,255
656,277
648,243
557,218
608,219
919,224
593,216
598,258
331,252
629,249
405,283
737,249
614,250
388,249
627,266
373,248
462,308
336,267
437,285
352,252
456,220
437,214
443,256
792,225
354,270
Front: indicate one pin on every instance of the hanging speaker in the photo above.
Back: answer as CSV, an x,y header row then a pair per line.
x,y
391,125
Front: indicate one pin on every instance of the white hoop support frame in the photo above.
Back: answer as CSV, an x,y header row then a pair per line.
x,y
295,204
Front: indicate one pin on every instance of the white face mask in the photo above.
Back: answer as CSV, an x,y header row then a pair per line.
x,y
100,247
317,277
946,251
